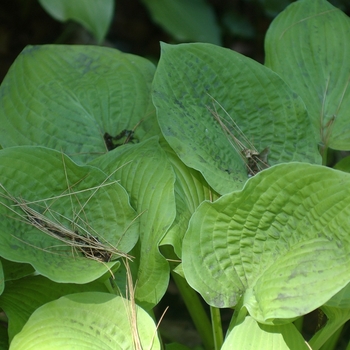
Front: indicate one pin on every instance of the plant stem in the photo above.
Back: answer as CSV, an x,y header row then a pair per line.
x,y
324,153
298,323
196,310
331,343
238,316
336,319
217,327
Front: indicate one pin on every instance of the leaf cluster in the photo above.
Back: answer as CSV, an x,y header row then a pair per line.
x,y
104,153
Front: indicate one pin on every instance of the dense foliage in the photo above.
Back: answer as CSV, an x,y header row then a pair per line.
x,y
116,174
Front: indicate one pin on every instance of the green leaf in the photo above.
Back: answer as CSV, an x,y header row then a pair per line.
x,y
274,7
86,321
148,177
2,278
4,344
336,318
190,191
308,46
250,335
68,97
282,243
15,271
22,297
71,202
186,20
267,112
343,165
94,16
176,346
238,25
340,300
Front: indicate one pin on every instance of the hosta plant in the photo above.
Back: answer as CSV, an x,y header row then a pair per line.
x,y
210,168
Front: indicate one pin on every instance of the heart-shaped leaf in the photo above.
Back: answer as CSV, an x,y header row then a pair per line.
x,y
88,320
214,104
308,46
81,100
281,243
68,221
22,297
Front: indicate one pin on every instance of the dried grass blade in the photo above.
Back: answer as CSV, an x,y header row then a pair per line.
x,y
255,161
88,245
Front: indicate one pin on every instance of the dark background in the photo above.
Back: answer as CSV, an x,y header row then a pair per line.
x,y
24,22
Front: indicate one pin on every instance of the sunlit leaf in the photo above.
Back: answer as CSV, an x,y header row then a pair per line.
x,y
250,335
22,297
86,321
269,243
